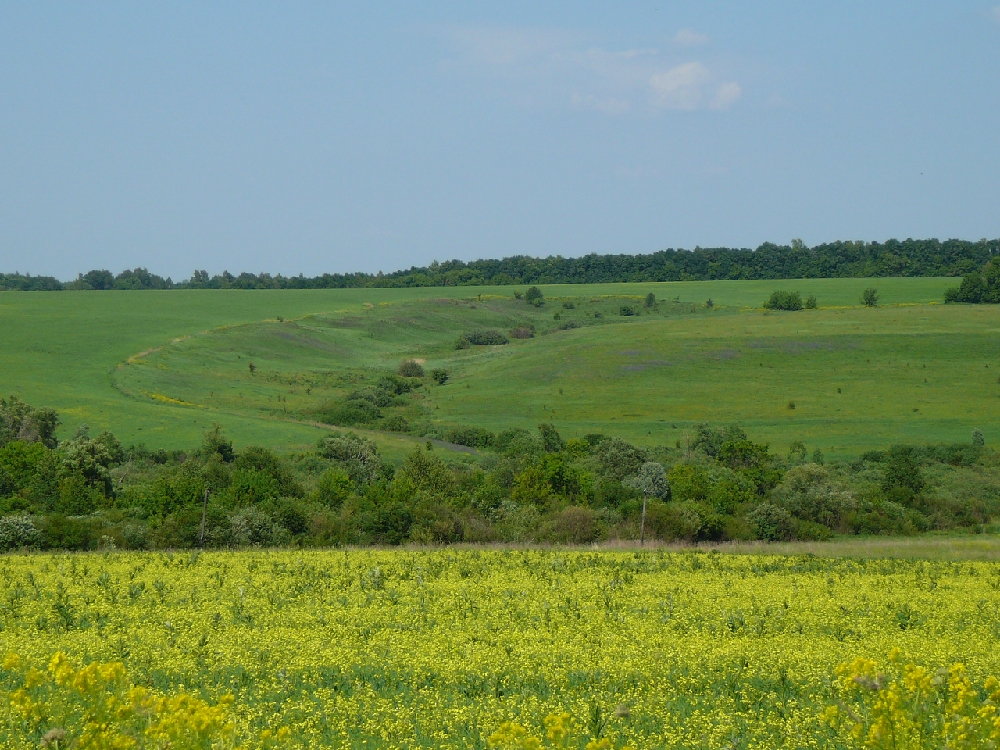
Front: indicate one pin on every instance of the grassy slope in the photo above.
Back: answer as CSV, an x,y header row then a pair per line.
x,y
65,350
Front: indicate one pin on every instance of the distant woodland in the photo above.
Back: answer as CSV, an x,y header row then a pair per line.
x,y
856,259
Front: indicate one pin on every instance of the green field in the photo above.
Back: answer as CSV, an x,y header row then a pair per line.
x,y
162,367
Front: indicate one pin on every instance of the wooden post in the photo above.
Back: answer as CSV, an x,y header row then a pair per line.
x,y
204,514
642,523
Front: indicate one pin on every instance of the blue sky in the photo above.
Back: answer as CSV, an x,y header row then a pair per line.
x,y
312,137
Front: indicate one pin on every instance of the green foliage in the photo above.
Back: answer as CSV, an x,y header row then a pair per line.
x,y
977,287
771,522
439,376
333,488
810,303
552,442
19,421
352,411
410,368
534,296
486,337
650,480
784,301
18,532
869,297
902,479
473,437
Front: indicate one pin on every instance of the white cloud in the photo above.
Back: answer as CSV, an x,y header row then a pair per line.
x,y
689,38
544,67
726,95
680,87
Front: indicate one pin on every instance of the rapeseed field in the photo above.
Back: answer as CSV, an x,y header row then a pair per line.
x,y
496,648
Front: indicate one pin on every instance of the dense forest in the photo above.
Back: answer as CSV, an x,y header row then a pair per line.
x,y
769,261
90,492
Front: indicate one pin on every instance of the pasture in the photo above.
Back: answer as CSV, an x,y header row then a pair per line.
x,y
162,367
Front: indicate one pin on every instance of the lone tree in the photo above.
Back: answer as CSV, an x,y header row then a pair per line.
x,y
870,297
651,481
252,367
534,296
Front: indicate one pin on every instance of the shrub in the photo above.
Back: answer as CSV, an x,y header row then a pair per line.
x,y
358,456
811,302
626,311
410,368
251,527
349,412
62,532
18,532
978,440
333,488
552,442
688,483
396,423
486,337
869,297
771,523
568,306
439,376
574,525
783,301
650,299
522,333
534,296
473,437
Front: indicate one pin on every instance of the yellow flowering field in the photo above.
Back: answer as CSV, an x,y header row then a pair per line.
x,y
496,648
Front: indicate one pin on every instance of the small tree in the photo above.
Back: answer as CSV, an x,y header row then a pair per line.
x,y
811,302
978,439
252,367
439,376
650,299
869,297
534,296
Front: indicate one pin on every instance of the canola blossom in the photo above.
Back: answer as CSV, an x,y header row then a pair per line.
x,y
457,648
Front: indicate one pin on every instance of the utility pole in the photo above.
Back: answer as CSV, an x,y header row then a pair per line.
x,y
204,514
642,523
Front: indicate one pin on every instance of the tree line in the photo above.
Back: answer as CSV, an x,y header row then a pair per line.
x,y
852,259
90,492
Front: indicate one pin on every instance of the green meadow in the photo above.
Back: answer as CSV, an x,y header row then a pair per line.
x,y
162,367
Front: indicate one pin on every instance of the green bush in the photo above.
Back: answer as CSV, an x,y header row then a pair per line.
x,y
18,532
410,368
810,302
534,296
869,297
486,337
771,522
396,423
780,300
439,376
333,488
349,412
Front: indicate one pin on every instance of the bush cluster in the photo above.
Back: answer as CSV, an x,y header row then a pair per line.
x,y
90,492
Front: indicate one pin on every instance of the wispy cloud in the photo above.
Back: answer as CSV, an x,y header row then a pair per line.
x,y
726,95
689,38
558,65
679,87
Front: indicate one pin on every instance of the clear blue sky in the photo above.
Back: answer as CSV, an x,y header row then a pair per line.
x,y
310,137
